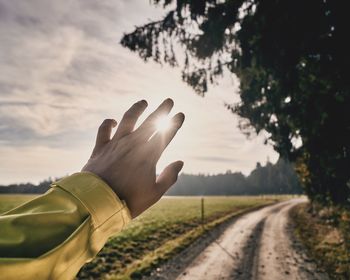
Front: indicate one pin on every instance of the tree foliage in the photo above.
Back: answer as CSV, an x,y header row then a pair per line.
x,y
279,178
292,60
27,188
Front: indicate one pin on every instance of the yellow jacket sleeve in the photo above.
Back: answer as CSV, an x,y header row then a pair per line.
x,y
52,236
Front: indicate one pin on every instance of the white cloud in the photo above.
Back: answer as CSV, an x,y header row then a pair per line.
x,y
63,71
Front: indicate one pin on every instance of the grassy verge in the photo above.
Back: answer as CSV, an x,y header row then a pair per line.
x,y
326,235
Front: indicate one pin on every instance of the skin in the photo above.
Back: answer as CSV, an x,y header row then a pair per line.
x,y
127,160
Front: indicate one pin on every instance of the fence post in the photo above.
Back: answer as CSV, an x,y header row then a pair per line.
x,y
202,211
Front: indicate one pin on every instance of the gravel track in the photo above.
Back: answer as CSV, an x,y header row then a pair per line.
x,y
257,245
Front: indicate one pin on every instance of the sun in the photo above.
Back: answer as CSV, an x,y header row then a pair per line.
x,y
163,123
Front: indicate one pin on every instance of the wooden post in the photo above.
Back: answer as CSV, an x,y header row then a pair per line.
x,y
202,211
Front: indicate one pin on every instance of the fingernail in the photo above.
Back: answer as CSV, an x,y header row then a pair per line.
x,y
144,102
181,116
179,119
169,101
180,166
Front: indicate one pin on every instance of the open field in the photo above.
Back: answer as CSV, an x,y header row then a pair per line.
x,y
10,201
156,235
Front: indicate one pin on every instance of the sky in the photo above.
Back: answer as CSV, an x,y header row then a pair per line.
x,y
63,71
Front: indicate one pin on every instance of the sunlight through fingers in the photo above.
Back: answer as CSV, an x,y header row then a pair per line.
x,y
163,124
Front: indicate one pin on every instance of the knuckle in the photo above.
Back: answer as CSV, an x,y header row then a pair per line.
x,y
131,138
134,136
125,143
129,114
144,161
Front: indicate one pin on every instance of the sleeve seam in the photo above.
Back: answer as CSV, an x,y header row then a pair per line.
x,y
94,221
110,217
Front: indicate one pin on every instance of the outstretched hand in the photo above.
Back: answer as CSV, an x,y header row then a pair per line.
x,y
127,161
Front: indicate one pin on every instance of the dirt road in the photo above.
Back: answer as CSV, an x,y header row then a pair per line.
x,y
258,245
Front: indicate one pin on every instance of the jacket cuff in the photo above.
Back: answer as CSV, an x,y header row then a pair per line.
x,y
97,197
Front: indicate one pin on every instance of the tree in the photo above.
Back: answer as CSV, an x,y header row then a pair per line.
x,y
292,60
278,178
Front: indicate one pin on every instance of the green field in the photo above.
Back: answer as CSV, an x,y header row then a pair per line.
x,y
10,201
156,235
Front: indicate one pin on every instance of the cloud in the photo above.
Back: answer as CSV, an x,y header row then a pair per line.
x,y
63,71
53,59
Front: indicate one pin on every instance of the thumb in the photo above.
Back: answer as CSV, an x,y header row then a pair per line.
x,y
169,176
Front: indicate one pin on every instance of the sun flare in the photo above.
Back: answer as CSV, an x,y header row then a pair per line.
x,y
163,123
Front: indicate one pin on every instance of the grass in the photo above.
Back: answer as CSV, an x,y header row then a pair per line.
x,y
325,232
10,201
158,234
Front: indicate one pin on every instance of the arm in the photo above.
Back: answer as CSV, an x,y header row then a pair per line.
x,y
52,236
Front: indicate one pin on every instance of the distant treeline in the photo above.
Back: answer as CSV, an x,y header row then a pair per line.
x,y
278,178
27,187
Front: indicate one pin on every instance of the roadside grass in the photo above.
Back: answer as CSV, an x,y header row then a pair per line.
x,y
159,233
325,232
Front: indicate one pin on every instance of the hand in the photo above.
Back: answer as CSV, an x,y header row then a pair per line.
x,y
127,161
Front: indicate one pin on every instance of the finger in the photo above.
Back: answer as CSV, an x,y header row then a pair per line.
x,y
104,131
129,119
162,138
168,177
148,127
